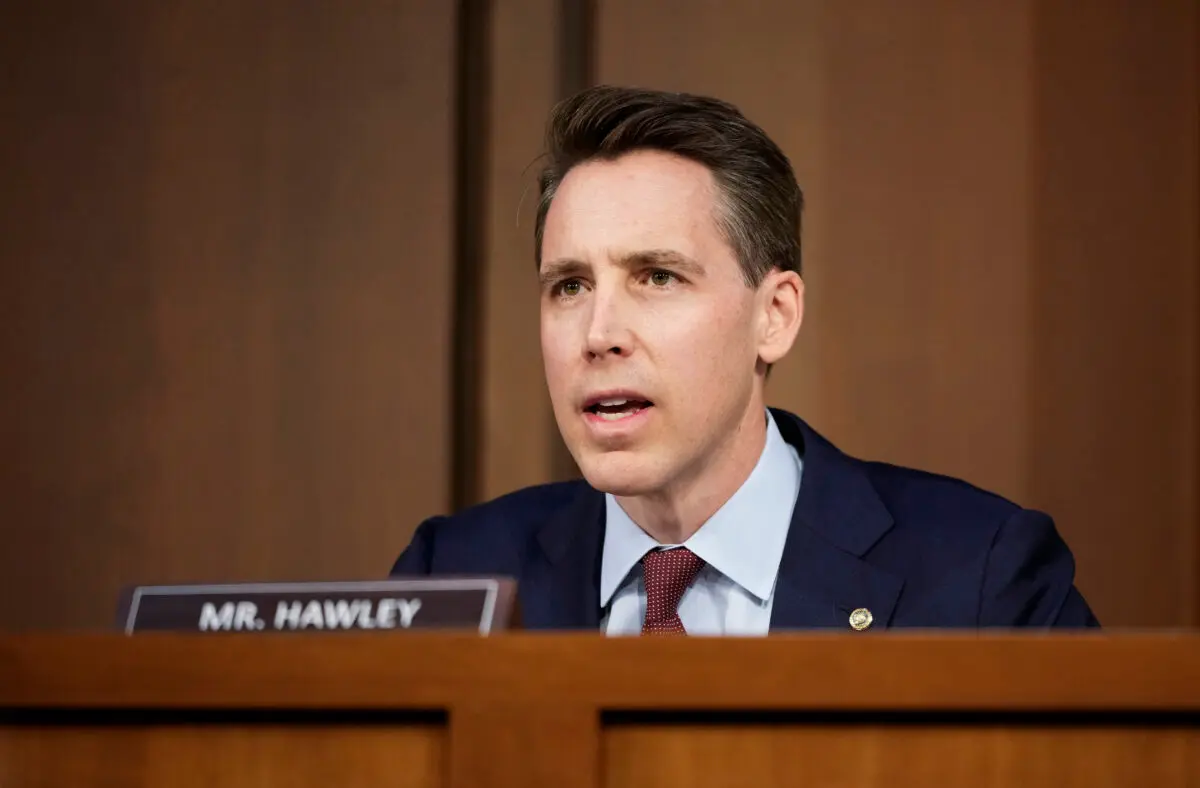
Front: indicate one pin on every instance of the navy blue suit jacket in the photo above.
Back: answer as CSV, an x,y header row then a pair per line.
x,y
916,549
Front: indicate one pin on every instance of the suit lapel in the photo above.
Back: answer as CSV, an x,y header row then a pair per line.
x,y
837,518
561,586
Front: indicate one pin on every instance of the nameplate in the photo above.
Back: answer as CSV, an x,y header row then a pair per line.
x,y
475,604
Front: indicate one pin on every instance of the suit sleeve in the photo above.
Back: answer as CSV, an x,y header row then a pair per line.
x,y
417,558
1029,579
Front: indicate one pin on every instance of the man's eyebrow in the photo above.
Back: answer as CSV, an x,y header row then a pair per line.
x,y
560,269
664,258
557,270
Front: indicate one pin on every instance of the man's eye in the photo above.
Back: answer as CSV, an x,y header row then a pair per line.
x,y
661,278
571,287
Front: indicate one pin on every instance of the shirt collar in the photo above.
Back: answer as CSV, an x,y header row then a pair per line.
x,y
743,540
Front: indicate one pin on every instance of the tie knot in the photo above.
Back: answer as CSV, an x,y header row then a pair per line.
x,y
667,574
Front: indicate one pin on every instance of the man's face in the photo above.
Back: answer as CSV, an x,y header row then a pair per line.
x,y
650,335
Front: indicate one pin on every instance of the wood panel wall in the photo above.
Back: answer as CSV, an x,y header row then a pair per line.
x,y
1114,299
269,292
516,444
225,267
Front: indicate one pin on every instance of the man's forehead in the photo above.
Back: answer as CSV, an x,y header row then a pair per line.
x,y
633,208
648,185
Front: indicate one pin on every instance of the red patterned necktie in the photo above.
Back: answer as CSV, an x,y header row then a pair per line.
x,y
667,574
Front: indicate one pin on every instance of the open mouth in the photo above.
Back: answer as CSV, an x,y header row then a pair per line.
x,y
617,408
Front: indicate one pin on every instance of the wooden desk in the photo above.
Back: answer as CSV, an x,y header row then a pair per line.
x,y
530,710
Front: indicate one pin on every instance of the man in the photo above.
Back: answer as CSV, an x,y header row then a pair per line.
x,y
668,251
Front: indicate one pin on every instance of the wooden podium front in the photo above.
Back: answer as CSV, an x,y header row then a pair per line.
x,y
532,710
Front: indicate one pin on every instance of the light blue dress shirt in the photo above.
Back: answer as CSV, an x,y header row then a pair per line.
x,y
741,544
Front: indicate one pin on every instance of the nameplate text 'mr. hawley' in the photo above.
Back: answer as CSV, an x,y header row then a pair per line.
x,y
396,605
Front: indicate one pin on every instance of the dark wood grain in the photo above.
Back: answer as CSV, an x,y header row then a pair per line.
x,y
517,428
229,756
526,711
902,757
524,745
433,671
1116,392
225,275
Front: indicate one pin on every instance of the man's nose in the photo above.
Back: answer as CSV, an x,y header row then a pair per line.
x,y
608,328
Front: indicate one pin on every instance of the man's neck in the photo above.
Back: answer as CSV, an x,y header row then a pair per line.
x,y
673,514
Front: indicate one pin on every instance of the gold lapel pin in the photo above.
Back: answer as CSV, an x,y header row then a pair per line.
x,y
861,619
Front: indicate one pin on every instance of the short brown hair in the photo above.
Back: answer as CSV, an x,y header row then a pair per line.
x,y
761,202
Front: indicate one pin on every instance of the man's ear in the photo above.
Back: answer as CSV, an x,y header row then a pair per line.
x,y
782,311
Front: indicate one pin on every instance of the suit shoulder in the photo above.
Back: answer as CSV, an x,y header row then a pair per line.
x,y
489,537
520,510
920,496
918,499
942,527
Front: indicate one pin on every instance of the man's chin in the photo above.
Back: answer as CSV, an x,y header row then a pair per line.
x,y
617,475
